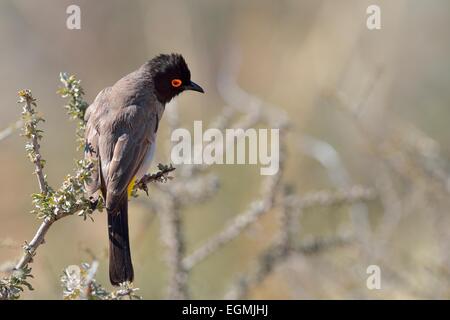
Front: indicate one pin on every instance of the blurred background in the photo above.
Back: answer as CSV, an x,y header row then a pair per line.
x,y
365,108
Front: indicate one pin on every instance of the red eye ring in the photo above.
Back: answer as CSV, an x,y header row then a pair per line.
x,y
176,83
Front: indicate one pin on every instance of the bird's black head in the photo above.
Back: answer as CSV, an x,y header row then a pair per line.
x,y
171,76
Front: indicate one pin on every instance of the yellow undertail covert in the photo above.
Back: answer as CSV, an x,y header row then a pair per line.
x,y
131,186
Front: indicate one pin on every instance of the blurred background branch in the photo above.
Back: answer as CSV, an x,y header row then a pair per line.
x,y
10,129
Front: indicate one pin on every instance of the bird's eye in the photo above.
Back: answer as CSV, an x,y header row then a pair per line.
x,y
176,83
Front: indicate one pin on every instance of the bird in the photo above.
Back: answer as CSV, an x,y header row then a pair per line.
x,y
120,139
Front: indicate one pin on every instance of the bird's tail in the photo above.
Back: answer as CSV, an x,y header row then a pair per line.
x,y
120,266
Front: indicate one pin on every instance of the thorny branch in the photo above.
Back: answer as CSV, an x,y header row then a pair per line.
x,y
161,176
49,205
276,255
10,129
284,244
31,120
173,237
79,284
241,222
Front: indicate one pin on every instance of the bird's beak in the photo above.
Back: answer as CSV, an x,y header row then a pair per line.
x,y
194,87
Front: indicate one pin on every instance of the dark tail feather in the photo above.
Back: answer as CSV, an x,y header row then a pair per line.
x,y
120,266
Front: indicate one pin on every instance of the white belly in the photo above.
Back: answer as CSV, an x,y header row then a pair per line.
x,y
145,166
147,161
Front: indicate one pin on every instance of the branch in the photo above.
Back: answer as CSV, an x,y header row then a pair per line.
x,y
68,200
49,205
327,198
273,257
10,129
161,176
278,251
172,233
79,284
241,222
38,239
31,120
76,108
284,245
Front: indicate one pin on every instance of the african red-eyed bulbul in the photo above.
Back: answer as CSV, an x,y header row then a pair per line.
x,y
120,135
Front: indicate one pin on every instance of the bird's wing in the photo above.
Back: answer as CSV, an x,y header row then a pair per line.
x,y
125,144
91,151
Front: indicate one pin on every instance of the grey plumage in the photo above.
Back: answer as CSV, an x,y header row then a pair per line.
x,y
120,133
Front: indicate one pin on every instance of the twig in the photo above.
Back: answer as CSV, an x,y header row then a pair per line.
x,y
326,198
283,246
242,221
274,256
172,233
161,176
38,239
234,228
10,129
79,284
30,131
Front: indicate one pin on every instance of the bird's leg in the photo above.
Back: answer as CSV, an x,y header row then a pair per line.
x,y
143,186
